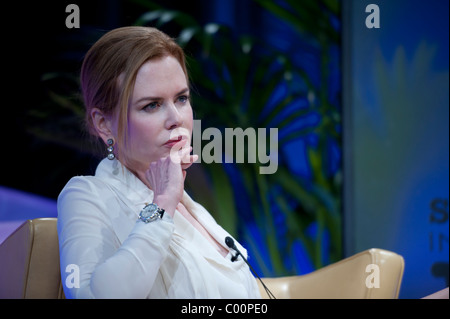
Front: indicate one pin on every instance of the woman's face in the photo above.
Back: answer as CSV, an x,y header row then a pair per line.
x,y
160,113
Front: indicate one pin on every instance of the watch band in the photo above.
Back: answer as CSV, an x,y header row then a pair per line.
x,y
150,213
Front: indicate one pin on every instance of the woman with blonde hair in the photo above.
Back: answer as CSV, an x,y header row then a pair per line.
x,y
131,231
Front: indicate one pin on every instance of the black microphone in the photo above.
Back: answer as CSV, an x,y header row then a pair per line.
x,y
230,243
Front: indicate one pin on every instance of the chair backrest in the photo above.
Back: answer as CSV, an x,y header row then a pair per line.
x,y
371,274
29,262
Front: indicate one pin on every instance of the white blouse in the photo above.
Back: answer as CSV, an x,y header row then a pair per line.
x,y
106,252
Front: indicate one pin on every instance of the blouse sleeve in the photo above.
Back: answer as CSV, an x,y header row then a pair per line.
x,y
102,266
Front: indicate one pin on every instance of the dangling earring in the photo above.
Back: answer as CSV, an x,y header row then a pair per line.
x,y
110,149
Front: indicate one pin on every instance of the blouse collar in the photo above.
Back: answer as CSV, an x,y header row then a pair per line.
x,y
121,178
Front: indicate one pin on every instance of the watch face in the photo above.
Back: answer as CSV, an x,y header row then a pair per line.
x,y
149,213
149,210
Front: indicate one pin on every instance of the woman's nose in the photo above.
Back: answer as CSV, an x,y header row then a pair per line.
x,y
173,119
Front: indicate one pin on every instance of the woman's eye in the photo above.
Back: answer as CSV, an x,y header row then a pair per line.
x,y
183,98
151,106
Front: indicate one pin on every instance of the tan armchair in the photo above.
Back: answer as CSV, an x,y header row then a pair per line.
x,y
29,268
29,262
347,279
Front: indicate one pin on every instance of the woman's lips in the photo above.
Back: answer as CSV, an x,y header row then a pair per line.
x,y
170,143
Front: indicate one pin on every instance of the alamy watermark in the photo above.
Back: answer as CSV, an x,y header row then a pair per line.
x,y
373,19
73,18
235,145
73,277
373,279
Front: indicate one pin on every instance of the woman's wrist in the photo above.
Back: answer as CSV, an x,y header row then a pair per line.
x,y
166,203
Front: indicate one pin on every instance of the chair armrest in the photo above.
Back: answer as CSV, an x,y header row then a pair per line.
x,y
345,279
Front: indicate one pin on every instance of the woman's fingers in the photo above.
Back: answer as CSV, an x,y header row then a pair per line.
x,y
180,153
188,161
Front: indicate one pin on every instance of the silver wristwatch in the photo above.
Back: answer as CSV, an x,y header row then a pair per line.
x,y
150,213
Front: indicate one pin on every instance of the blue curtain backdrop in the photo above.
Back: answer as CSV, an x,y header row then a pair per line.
x,y
397,137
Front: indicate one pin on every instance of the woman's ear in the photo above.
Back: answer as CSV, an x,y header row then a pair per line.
x,y
102,124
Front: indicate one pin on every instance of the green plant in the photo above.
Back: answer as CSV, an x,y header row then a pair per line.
x,y
314,21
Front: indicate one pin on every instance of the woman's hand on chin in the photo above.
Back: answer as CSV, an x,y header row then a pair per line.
x,y
166,178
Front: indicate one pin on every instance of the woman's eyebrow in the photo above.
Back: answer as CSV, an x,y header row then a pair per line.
x,y
152,98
